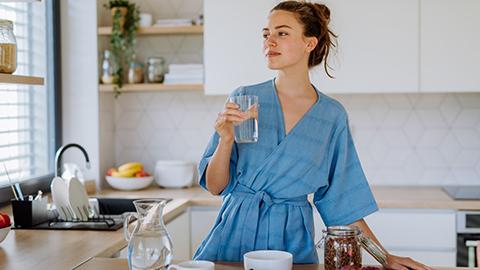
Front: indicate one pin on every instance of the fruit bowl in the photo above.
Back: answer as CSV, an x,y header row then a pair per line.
x,y
4,233
129,183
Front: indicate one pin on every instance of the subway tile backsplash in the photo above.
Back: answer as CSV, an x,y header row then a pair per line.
x,y
402,139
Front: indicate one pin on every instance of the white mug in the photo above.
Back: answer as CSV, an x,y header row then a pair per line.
x,y
268,259
145,19
193,265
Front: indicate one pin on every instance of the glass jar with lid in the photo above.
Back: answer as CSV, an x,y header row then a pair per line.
x,y
135,72
155,69
8,47
342,246
108,68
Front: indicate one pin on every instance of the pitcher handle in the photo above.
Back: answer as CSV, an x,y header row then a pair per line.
x,y
321,242
126,231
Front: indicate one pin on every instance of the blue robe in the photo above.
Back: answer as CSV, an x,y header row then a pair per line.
x,y
265,202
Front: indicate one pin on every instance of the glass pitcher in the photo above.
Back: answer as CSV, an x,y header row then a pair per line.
x,y
149,244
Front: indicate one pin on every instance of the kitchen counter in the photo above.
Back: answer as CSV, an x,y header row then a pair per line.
x,y
121,264
53,249
386,196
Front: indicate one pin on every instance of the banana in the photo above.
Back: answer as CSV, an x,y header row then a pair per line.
x,y
126,173
130,166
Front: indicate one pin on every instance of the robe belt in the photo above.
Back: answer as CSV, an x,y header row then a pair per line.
x,y
256,212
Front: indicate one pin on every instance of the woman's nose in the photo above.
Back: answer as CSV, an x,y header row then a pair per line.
x,y
270,42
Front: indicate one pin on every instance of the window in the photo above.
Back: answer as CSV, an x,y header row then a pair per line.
x,y
28,118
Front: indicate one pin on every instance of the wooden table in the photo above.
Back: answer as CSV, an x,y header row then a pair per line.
x,y
122,264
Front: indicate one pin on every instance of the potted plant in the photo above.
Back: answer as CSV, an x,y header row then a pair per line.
x,y
123,37
119,9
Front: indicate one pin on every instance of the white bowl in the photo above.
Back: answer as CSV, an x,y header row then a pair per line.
x,y
129,183
268,259
174,173
4,232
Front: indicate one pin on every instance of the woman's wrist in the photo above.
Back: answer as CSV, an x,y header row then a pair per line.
x,y
226,140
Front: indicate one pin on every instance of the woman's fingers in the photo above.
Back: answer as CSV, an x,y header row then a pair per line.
x,y
405,263
224,117
233,112
413,264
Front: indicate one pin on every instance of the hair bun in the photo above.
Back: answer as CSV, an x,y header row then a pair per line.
x,y
323,10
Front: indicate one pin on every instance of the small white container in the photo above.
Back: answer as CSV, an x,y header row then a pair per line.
x,y
268,259
174,173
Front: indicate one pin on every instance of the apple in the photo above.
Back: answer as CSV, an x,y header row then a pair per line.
x,y
4,220
110,171
142,174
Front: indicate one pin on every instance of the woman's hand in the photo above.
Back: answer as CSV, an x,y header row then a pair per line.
x,y
404,263
230,116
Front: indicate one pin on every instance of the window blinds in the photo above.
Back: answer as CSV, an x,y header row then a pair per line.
x,y
24,109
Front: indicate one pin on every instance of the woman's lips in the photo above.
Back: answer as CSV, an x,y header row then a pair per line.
x,y
272,54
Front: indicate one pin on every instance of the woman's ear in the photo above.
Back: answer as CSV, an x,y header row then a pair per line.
x,y
311,43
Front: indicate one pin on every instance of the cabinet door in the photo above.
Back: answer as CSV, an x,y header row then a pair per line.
x,y
233,44
450,46
179,230
427,235
377,47
202,220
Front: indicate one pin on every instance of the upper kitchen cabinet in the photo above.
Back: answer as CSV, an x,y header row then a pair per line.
x,y
233,44
450,42
377,47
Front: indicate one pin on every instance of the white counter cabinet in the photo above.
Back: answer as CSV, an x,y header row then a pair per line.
x,y
202,220
178,229
426,235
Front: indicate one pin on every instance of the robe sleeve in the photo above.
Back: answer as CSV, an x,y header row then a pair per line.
x,y
208,154
348,197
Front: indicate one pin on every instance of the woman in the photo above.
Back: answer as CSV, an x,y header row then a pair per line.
x,y
304,147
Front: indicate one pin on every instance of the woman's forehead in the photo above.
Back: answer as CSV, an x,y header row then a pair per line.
x,y
279,18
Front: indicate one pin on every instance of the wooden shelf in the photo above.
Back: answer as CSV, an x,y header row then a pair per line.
x,y
158,30
151,87
19,79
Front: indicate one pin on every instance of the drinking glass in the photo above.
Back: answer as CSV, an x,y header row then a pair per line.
x,y
247,131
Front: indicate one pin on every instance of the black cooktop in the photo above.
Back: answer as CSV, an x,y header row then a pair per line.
x,y
463,192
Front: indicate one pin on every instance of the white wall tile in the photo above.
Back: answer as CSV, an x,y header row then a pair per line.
x,y
450,108
467,118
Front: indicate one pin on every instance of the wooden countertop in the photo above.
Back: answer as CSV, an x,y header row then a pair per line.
x,y
53,249
121,264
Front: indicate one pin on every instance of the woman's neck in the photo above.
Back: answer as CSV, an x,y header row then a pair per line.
x,y
294,82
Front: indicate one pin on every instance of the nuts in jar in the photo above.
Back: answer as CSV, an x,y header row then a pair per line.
x,y
342,248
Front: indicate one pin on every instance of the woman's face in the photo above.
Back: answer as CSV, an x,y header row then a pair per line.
x,y
284,44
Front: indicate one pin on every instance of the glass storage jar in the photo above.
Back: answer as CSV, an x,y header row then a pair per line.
x,y
135,72
155,69
8,47
342,248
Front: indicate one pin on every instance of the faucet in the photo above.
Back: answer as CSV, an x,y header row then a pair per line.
x,y
59,153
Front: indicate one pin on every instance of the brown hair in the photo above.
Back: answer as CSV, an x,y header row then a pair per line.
x,y
315,18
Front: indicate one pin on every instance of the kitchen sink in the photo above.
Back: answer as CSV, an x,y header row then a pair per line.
x,y
116,206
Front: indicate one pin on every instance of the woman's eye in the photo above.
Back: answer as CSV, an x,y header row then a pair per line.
x,y
265,36
282,33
